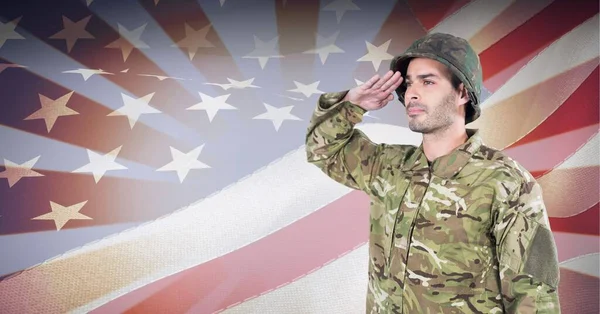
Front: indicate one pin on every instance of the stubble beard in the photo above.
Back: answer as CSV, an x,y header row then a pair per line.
x,y
436,120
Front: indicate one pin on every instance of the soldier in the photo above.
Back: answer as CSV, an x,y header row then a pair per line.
x,y
456,226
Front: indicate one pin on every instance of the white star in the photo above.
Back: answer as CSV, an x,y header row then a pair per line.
x,y
52,109
88,2
306,90
128,40
87,73
73,31
194,39
222,2
61,214
377,54
289,97
15,172
235,84
4,66
100,164
133,108
7,31
325,46
212,105
340,7
162,78
277,115
264,50
358,82
183,163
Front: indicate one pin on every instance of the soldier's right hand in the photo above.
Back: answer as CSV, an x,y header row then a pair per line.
x,y
376,92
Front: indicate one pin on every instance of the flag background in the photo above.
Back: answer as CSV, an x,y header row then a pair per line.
x,y
152,150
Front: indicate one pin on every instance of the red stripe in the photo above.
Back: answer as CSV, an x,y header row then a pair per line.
x,y
580,110
583,223
578,292
259,267
432,12
544,155
522,44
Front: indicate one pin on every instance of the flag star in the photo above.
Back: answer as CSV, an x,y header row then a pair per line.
x,y
125,71
88,2
325,46
62,214
264,50
377,54
128,40
194,39
212,105
235,84
289,97
156,2
306,90
52,109
7,31
100,164
15,172
87,73
277,115
162,78
4,66
222,2
73,31
184,162
340,7
358,82
133,108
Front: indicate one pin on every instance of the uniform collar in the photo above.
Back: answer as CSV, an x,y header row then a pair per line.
x,y
448,165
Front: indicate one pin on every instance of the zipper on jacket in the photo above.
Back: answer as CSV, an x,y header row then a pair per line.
x,y
410,232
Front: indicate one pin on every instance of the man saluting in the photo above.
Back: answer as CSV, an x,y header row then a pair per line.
x,y
456,226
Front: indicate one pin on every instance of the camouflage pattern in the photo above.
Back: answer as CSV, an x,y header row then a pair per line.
x,y
468,234
454,52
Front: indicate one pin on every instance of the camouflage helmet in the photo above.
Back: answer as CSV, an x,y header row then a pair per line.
x,y
457,55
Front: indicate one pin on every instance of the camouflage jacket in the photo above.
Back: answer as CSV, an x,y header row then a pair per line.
x,y
468,234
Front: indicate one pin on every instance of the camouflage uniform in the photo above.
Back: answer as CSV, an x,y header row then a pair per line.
x,y
467,234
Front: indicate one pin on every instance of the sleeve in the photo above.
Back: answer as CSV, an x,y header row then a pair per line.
x,y
342,152
527,255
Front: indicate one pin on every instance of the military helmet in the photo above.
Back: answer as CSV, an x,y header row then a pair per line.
x,y
456,54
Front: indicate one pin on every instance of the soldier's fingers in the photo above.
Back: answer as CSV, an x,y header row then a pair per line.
x,y
369,84
383,80
391,80
397,81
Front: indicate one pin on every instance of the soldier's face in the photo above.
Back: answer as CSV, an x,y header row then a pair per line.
x,y
431,102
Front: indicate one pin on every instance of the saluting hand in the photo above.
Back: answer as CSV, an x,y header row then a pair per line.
x,y
376,92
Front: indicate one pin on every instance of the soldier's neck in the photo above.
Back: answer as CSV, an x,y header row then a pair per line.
x,y
444,141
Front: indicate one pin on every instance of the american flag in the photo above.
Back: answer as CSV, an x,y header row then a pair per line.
x,y
152,150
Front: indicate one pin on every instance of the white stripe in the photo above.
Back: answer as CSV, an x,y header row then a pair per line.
x,y
574,48
478,13
587,156
587,264
338,287
46,244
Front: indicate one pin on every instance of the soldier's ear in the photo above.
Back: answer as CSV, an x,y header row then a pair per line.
x,y
463,94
